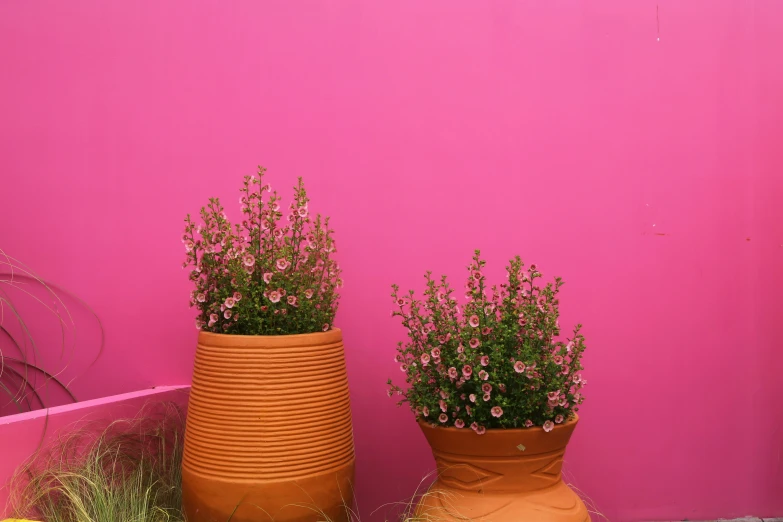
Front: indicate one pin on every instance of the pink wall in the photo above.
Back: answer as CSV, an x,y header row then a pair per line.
x,y
645,172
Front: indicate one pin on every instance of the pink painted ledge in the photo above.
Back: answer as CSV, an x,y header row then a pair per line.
x,y
23,434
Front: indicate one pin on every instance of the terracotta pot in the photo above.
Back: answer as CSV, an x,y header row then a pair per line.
x,y
502,476
268,432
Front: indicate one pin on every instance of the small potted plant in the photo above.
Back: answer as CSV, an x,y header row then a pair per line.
x,y
496,390
269,422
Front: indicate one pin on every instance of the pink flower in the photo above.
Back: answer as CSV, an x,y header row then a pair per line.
x,y
486,330
473,321
577,378
282,264
460,349
292,300
472,397
325,327
453,372
528,423
201,298
502,387
481,430
519,367
553,395
426,411
248,260
486,387
267,277
444,394
237,296
403,367
474,426
563,402
487,397
485,360
559,419
274,296
484,376
533,268
227,314
229,302
425,359
565,370
467,371
199,324
496,411
435,352
443,417
549,426
443,406
309,293
570,347
558,360
459,423
302,211
474,343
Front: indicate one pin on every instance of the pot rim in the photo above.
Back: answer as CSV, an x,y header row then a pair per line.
x,y
535,429
271,337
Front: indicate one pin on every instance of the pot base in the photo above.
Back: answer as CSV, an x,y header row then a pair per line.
x,y
208,499
554,504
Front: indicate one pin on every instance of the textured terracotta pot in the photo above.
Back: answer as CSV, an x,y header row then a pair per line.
x,y
502,476
268,432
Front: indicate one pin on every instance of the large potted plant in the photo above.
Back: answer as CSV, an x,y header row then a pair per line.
x,y
268,433
496,391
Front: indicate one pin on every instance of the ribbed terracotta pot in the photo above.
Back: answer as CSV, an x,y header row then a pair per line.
x,y
268,433
511,475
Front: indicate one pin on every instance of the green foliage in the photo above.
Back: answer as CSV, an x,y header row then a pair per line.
x,y
262,277
127,472
496,363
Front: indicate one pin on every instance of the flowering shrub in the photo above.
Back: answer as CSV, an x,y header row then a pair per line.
x,y
262,277
497,362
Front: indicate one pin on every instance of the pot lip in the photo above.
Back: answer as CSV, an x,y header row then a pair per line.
x,y
536,429
331,331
